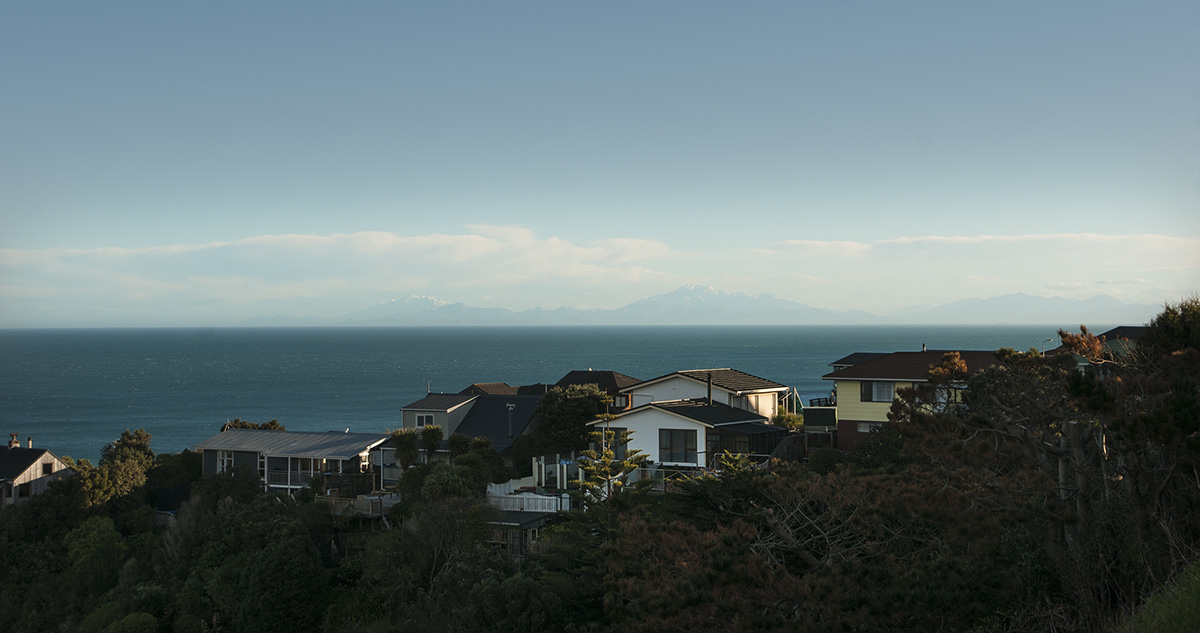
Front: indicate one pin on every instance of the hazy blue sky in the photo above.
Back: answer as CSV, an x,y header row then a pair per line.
x,y
204,162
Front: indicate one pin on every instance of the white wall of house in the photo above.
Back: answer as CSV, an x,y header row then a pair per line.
x,y
448,420
678,388
34,480
647,423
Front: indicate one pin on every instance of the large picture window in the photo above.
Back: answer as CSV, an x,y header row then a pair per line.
x,y
876,391
676,445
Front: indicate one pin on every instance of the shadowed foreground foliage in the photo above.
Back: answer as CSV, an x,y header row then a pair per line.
x,y
1044,498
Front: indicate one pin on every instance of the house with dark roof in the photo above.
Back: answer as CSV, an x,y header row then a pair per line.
x,y
610,382
500,419
287,460
865,390
691,433
505,389
735,388
1119,341
446,410
25,472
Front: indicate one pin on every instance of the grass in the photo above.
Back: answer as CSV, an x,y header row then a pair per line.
x,y
1176,609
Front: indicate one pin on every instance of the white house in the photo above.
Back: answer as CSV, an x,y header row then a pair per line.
x,y
691,433
726,386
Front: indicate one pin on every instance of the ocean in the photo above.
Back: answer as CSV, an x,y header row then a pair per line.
x,y
73,391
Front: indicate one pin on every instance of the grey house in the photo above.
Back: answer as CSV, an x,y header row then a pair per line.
x,y
287,460
25,472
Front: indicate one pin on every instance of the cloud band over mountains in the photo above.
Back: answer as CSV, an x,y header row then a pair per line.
x,y
515,267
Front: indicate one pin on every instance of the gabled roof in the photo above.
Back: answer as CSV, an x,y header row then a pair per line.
x,y
15,461
909,366
440,402
699,410
608,381
488,418
855,358
1131,332
738,382
505,389
490,389
330,444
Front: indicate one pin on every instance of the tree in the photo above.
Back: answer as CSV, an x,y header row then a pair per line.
x,y
131,446
1175,329
1083,462
431,439
459,445
238,423
405,442
605,476
562,416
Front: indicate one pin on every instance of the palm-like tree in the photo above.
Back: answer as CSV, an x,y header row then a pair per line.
x,y
431,438
459,445
405,443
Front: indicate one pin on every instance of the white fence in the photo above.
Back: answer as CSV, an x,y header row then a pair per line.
x,y
529,502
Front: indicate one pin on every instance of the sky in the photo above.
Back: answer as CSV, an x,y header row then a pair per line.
x,y
195,164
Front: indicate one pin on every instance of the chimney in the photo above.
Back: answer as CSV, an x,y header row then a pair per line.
x,y
29,442
14,442
511,406
710,387
923,347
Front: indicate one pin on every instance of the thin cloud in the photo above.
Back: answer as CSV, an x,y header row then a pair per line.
x,y
515,267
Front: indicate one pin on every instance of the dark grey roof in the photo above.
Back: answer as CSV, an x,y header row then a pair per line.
x,y
490,388
750,428
609,381
1131,332
488,418
856,358
521,518
738,382
440,402
909,366
15,461
330,444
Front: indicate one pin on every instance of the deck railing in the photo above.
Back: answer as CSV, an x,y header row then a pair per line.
x,y
289,478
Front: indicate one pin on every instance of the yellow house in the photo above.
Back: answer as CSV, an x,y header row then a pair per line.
x,y
865,390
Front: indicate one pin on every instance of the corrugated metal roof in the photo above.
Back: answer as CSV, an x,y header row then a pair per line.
x,y
330,445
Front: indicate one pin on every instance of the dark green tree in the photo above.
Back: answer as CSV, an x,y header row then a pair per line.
x,y
406,443
560,422
431,439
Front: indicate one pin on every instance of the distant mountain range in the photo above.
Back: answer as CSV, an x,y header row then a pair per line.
x,y
700,305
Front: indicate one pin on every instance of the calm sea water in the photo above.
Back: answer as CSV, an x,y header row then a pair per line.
x,y
73,391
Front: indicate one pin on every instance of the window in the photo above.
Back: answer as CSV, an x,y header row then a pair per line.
x,y
47,469
224,461
262,466
867,427
424,419
676,445
876,391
